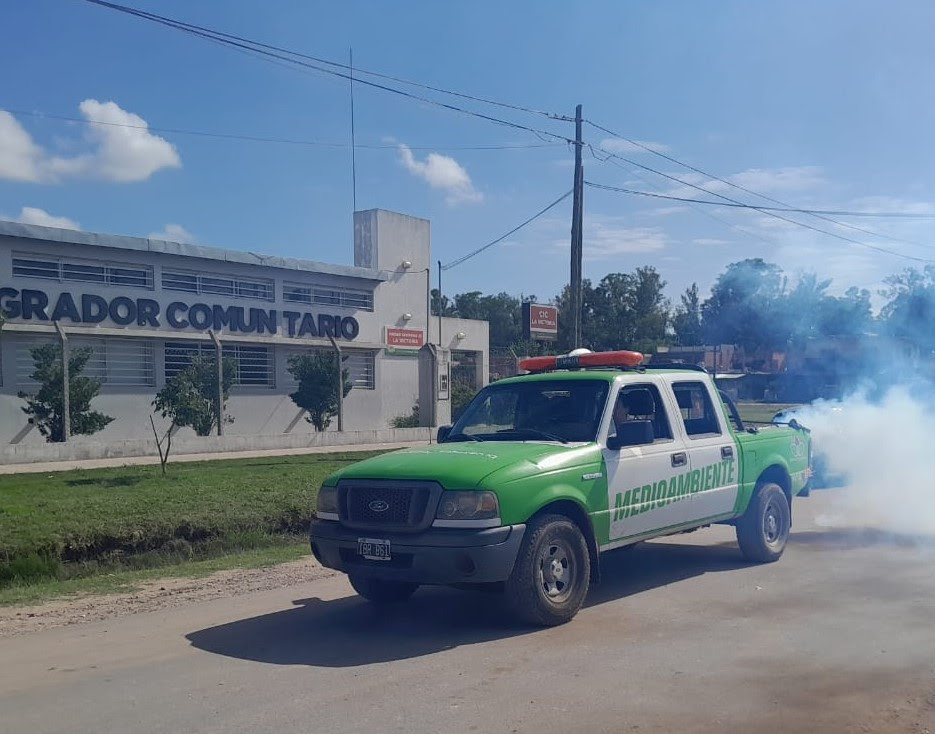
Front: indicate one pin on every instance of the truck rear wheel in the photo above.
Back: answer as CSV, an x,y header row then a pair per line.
x,y
763,530
382,591
552,572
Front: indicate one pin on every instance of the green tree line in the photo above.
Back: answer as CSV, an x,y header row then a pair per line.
x,y
752,304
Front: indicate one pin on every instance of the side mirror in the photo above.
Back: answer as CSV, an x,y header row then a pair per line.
x,y
632,433
443,432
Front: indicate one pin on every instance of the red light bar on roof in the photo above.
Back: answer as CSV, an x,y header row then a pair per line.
x,y
572,361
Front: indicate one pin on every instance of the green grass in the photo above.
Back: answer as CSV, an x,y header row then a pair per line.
x,y
289,548
761,412
83,523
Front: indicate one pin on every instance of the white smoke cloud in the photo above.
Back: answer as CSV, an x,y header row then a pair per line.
x,y
883,451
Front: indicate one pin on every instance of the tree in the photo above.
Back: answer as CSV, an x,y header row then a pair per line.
x,y
447,307
847,315
624,311
686,322
190,397
742,308
46,407
317,393
910,311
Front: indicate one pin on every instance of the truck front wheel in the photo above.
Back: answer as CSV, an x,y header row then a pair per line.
x,y
763,530
552,572
382,591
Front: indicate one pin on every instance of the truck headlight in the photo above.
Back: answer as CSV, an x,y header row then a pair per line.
x,y
327,508
474,509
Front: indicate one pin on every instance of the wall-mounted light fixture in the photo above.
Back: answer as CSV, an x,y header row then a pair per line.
x,y
407,317
407,264
460,336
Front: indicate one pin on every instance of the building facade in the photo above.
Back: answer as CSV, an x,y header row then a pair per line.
x,y
145,307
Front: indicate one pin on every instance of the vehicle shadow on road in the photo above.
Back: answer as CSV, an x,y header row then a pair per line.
x,y
349,631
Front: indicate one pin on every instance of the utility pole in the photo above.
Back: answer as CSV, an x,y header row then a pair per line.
x,y
577,217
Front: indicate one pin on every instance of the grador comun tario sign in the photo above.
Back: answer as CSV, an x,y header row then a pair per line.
x,y
89,308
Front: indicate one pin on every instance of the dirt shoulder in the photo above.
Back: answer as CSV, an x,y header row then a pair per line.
x,y
155,595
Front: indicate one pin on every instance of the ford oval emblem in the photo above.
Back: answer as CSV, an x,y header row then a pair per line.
x,y
379,506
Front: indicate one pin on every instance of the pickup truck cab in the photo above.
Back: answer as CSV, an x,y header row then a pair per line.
x,y
544,472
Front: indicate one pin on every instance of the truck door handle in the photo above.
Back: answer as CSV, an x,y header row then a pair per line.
x,y
727,452
679,459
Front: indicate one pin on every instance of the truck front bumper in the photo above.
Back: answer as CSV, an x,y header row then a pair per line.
x,y
434,556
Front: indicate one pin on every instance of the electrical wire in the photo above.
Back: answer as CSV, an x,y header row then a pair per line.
x,y
700,209
818,214
336,64
732,205
259,50
268,139
773,214
479,250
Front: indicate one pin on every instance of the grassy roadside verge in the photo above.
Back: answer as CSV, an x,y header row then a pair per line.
x,y
290,548
78,524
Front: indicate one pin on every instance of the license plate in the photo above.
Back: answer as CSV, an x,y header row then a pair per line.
x,y
374,549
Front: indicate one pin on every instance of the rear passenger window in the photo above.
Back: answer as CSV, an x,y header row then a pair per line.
x,y
641,402
696,408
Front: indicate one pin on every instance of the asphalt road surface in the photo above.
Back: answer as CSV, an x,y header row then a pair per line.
x,y
838,636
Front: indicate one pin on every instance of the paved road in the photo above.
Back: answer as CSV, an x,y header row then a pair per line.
x,y
839,636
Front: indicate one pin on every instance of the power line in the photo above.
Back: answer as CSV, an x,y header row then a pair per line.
x,y
464,258
320,60
295,59
700,209
269,139
729,204
773,214
818,214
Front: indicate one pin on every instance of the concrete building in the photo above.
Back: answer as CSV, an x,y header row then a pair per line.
x,y
146,306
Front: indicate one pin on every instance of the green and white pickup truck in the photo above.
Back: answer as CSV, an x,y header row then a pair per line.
x,y
544,472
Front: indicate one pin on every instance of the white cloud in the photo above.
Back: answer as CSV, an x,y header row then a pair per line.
x,y
774,181
19,155
173,233
34,215
709,241
121,149
604,239
442,172
616,145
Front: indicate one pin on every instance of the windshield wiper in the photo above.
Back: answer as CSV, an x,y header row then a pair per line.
x,y
461,437
535,433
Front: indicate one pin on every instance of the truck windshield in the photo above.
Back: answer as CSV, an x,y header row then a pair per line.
x,y
561,410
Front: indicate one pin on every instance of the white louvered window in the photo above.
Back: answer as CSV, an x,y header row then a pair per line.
x,y
359,363
220,285
255,364
361,300
82,271
115,362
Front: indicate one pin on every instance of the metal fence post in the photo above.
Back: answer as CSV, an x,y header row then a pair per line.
x,y
66,382
340,384
219,352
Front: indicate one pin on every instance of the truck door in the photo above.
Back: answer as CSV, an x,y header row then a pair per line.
x,y
643,480
711,449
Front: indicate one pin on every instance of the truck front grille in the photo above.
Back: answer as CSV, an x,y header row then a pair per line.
x,y
382,506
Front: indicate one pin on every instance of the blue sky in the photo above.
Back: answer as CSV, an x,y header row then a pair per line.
x,y
817,104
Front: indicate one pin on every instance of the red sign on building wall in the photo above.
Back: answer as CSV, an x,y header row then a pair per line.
x,y
404,338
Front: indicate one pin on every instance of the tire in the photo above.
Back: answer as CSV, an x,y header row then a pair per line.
x,y
551,576
382,591
763,530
